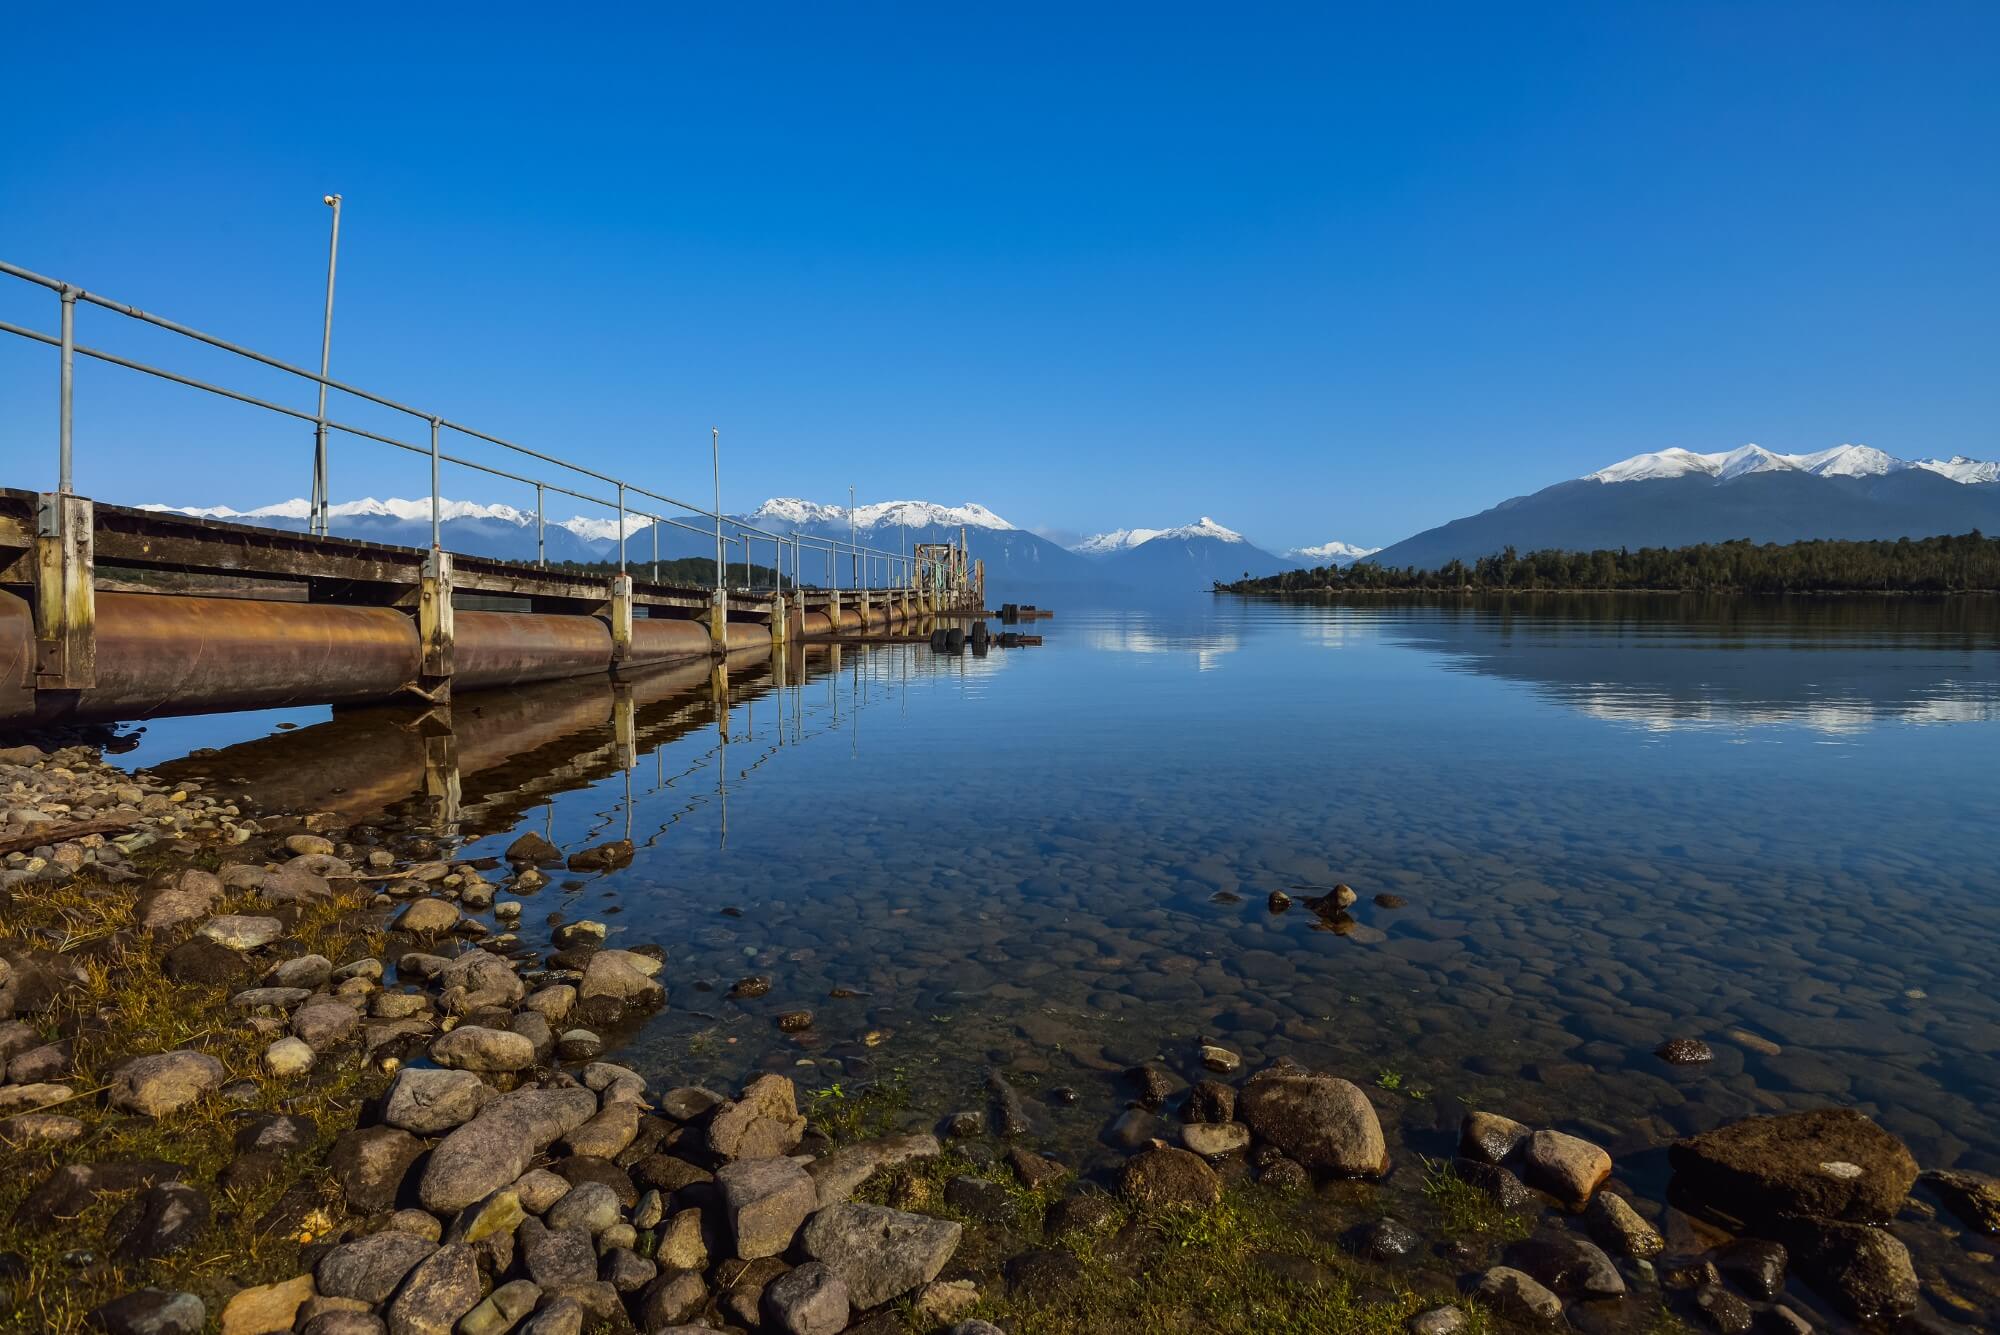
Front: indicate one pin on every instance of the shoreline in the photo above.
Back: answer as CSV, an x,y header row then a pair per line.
x,y
255,1038
1467,591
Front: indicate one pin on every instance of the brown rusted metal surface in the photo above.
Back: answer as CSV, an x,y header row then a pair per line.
x,y
507,648
17,658
666,640
162,654
748,635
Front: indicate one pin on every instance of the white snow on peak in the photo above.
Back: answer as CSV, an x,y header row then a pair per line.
x,y
1123,539
912,514
1206,528
1840,461
921,514
1117,540
600,530
1850,461
1961,469
791,510
1339,553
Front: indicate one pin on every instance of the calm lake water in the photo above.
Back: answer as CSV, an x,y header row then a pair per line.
x,y
1602,822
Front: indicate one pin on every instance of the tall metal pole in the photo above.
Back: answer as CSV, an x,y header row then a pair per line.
x,y
541,533
621,528
321,500
853,555
66,393
715,461
435,422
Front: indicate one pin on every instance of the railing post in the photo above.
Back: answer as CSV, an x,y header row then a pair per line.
x,y
434,626
65,483
322,482
65,594
621,528
541,540
655,526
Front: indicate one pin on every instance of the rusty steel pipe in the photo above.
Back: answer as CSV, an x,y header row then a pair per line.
x,y
168,654
509,648
666,640
17,658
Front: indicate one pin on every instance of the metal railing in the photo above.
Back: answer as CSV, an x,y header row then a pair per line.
x,y
726,530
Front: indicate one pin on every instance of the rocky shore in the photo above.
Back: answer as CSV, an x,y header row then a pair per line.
x,y
266,1073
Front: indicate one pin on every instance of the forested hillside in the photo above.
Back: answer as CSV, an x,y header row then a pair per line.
x,y
1966,563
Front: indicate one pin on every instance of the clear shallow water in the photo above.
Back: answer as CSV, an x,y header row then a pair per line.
x,y
1610,822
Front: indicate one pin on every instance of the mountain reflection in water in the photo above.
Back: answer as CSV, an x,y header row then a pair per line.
x,y
1832,665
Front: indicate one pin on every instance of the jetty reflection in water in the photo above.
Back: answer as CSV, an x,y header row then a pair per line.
x,y
481,764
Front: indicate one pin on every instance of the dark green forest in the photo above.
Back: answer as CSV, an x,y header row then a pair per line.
x,y
1964,564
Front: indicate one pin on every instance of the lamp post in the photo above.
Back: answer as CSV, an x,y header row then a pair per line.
x,y
319,488
715,460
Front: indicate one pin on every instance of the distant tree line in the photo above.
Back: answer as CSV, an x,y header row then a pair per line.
x,y
1962,564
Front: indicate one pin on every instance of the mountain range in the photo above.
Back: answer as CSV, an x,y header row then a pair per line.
x,y
1666,498
1189,557
1676,497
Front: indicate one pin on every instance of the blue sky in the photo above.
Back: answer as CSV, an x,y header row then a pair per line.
x,y
1318,272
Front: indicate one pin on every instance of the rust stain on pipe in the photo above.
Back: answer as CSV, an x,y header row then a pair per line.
x,y
17,657
165,654
508,648
664,639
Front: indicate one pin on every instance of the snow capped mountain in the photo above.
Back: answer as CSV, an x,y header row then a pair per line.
x,y
1187,558
790,510
1118,540
1124,539
1333,553
1840,461
418,510
1961,469
1676,497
